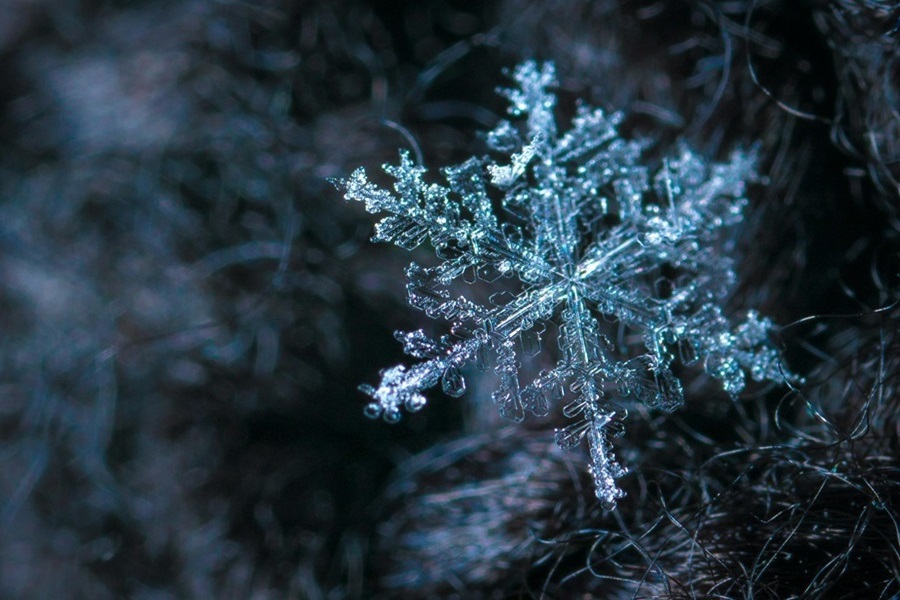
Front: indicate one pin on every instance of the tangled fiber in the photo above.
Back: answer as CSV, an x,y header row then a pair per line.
x,y
188,306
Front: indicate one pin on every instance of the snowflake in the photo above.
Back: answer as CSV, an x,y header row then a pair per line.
x,y
585,233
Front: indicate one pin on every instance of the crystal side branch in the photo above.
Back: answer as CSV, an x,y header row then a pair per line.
x,y
586,232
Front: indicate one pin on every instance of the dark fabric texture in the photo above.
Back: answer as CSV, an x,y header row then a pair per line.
x,y
188,305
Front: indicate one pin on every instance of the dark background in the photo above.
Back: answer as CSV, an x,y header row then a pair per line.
x,y
187,306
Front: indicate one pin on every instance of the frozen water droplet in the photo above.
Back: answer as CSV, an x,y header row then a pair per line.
x,y
373,410
453,383
414,402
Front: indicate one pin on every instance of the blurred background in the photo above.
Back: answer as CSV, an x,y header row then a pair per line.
x,y
188,306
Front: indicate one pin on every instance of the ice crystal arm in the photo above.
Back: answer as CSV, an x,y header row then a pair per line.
x,y
588,235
